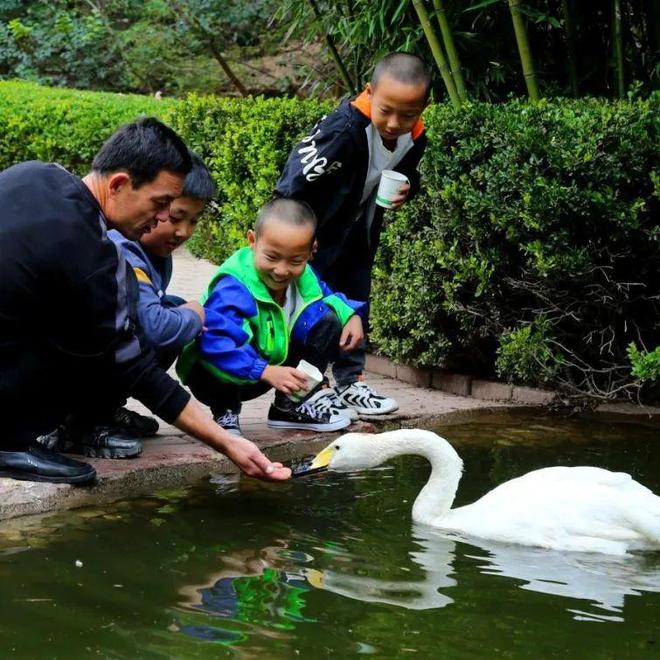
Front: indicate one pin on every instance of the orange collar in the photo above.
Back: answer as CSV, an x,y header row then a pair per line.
x,y
363,104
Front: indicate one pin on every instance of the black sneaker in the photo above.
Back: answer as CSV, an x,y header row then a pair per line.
x,y
97,442
134,424
230,422
307,415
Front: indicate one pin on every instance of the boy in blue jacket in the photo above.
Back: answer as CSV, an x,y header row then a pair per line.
x,y
336,169
266,309
168,321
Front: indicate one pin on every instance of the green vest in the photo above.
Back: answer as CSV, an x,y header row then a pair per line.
x,y
267,330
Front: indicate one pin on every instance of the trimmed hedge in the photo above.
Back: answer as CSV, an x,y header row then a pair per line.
x,y
245,144
532,252
66,126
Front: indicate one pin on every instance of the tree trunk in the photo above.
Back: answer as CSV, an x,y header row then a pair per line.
x,y
209,38
569,26
436,49
452,54
524,50
620,85
343,72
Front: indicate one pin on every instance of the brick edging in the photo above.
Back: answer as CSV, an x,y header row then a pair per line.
x,y
459,384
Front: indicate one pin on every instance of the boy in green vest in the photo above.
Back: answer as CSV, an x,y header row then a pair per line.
x,y
266,309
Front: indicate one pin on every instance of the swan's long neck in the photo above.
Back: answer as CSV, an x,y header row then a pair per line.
x,y
435,499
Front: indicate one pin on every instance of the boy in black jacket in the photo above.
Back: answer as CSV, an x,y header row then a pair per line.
x,y
336,169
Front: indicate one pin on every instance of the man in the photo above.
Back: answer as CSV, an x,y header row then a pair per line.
x,y
68,330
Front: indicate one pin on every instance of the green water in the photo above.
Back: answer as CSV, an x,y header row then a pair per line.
x,y
331,566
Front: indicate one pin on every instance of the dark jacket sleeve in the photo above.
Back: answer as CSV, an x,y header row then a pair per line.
x,y
102,302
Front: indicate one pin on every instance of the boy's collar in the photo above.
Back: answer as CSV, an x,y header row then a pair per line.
x,y
363,104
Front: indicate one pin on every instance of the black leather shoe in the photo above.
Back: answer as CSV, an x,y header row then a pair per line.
x,y
37,463
97,442
134,424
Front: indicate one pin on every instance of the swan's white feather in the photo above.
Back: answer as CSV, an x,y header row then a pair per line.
x,y
583,508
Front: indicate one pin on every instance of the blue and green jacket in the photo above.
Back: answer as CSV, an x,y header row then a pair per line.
x,y
246,330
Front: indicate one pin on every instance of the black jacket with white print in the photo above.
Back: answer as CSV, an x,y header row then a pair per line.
x,y
328,169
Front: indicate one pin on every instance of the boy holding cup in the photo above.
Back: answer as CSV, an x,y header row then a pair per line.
x,y
357,161
266,311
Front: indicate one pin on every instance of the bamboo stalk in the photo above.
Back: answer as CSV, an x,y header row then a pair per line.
x,y
436,49
567,9
343,72
450,47
524,51
618,49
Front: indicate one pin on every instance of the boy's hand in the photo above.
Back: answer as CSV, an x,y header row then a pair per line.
x,y
401,197
197,308
352,334
246,455
285,379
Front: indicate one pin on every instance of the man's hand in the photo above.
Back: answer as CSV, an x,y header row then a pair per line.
x,y
242,452
197,308
284,379
246,455
401,197
352,334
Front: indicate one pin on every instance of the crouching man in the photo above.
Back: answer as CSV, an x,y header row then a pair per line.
x,y
68,323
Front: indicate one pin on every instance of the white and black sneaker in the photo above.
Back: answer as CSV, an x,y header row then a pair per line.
x,y
312,414
365,400
327,399
230,422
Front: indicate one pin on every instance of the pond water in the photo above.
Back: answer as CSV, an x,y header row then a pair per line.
x,y
330,565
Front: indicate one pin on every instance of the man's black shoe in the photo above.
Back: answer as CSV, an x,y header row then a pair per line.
x,y
97,442
134,424
37,463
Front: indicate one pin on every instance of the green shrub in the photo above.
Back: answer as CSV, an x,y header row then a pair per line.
x,y
64,125
528,212
645,364
532,251
245,144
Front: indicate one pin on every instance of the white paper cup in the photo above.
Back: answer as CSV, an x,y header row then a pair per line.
x,y
314,377
390,186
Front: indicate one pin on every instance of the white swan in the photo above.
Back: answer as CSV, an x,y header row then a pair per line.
x,y
564,508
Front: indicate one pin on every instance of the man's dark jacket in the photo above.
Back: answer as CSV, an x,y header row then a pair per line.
x,y
68,329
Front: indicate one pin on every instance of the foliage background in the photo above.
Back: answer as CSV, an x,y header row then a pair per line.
x,y
532,252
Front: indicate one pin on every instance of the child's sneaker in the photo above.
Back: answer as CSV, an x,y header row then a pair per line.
x,y
230,422
365,400
327,399
312,414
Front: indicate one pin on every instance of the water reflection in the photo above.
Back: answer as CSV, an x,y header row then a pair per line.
x,y
601,580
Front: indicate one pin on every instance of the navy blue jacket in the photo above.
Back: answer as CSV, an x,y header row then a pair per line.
x,y
328,169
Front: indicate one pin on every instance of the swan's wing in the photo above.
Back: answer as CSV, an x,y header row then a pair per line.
x,y
581,508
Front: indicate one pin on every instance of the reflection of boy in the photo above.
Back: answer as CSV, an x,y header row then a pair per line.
x,y
266,309
337,168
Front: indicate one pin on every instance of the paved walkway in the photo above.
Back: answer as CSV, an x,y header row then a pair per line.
x,y
172,458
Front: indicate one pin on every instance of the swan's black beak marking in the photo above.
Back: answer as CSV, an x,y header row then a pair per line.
x,y
304,467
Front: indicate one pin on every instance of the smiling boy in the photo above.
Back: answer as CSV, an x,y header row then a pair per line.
x,y
336,169
266,309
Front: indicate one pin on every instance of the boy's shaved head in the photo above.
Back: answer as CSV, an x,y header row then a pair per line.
x,y
405,68
290,211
